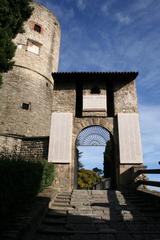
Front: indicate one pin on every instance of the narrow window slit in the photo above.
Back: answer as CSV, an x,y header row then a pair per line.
x,y
26,106
37,28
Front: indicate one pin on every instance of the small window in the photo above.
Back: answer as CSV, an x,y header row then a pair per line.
x,y
95,90
33,47
37,28
26,106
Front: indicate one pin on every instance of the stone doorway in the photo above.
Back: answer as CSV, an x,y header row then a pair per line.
x,y
94,147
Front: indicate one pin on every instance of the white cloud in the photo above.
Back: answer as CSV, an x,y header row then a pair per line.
x,y
81,4
62,13
123,19
69,14
105,8
141,5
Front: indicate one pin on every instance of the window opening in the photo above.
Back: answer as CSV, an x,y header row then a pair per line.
x,y
37,28
26,106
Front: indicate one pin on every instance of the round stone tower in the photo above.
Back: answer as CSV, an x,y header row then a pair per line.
x,y
27,91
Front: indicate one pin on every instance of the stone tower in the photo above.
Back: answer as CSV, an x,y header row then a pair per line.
x,y
27,91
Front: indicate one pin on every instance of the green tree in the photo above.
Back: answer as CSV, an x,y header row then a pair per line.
x,y
13,13
108,162
80,164
98,171
87,179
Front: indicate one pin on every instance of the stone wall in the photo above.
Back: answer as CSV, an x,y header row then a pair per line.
x,y
64,98
126,175
30,82
47,60
125,97
125,101
35,147
23,86
62,180
10,144
30,148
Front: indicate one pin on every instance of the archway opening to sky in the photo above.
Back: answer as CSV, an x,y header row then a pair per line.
x,y
93,152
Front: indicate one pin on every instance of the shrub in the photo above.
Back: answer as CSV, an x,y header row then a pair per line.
x,y
21,180
87,179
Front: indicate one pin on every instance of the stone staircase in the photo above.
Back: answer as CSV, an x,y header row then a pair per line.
x,y
99,214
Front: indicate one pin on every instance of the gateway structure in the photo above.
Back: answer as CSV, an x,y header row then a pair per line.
x,y
107,100
43,115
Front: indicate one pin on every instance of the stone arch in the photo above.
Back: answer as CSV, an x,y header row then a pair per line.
x,y
109,138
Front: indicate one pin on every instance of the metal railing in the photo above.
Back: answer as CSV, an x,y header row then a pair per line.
x,y
144,181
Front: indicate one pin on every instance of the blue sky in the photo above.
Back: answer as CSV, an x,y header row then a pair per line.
x,y
92,156
116,35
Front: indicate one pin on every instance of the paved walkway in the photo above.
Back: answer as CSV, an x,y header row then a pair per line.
x,y
97,214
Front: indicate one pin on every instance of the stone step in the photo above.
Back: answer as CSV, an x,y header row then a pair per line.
x,y
63,198
61,204
54,221
61,201
99,215
78,236
58,214
61,208
64,194
46,230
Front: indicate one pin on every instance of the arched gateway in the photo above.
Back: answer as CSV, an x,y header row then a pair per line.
x,y
96,137
82,100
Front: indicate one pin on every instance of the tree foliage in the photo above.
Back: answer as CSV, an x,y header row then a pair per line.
x,y
87,179
108,162
13,13
98,171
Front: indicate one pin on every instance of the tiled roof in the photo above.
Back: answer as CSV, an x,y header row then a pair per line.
x,y
74,76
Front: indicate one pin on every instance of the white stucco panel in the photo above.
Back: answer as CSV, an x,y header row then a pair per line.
x,y
94,103
60,143
130,147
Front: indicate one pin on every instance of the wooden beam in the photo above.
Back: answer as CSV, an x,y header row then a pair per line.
x,y
149,183
148,171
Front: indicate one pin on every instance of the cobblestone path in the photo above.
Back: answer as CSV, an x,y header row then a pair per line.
x,y
98,214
